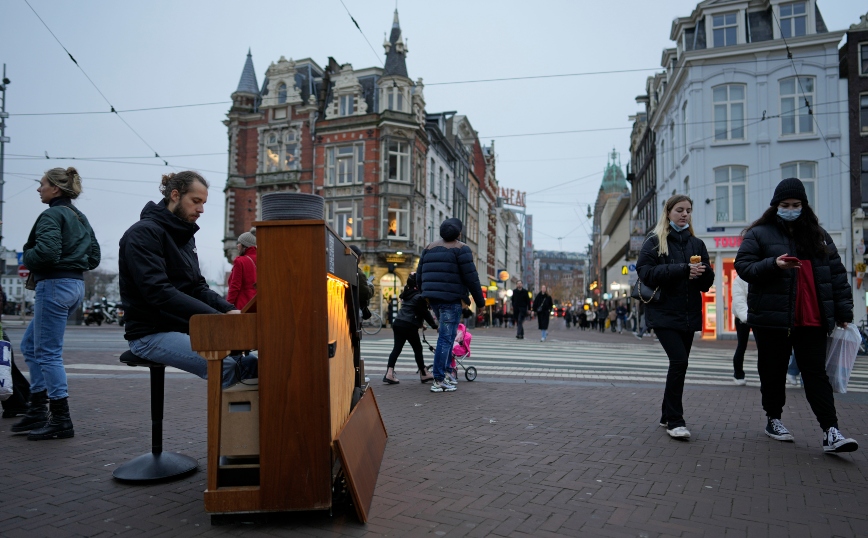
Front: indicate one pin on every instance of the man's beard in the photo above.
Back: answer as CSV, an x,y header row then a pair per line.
x,y
181,214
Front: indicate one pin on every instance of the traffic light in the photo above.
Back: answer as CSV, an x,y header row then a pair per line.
x,y
392,267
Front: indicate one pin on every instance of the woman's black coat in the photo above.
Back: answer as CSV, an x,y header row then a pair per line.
x,y
771,297
542,305
680,304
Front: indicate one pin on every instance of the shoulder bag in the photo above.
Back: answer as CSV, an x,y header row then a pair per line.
x,y
642,292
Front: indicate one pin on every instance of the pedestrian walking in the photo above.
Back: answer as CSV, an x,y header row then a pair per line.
x,y
742,329
242,279
613,317
446,274
583,319
60,248
568,317
799,292
621,312
602,316
592,320
413,313
675,263
542,305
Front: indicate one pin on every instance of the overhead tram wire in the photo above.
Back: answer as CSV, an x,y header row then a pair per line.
x,y
359,28
28,157
112,108
120,111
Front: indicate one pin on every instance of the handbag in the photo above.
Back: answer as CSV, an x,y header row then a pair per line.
x,y
644,293
30,283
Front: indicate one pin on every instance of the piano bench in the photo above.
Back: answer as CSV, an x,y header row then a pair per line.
x,y
155,465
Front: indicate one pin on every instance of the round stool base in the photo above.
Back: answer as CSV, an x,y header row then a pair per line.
x,y
151,467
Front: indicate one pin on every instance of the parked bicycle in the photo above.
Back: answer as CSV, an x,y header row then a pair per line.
x,y
373,324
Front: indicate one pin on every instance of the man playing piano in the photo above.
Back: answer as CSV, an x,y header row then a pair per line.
x,y
161,286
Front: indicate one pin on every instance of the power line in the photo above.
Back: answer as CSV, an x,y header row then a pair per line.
x,y
120,111
28,157
23,175
176,166
71,57
359,28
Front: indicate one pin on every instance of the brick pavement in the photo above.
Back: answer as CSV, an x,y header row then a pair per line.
x,y
497,457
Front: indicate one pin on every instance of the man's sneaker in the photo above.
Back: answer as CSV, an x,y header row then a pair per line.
x,y
663,424
681,432
833,441
740,382
776,430
442,386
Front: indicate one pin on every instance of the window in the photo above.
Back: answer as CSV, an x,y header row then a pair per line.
x,y
431,226
686,190
729,194
281,151
663,156
729,105
447,187
398,219
672,143
431,178
794,21
864,178
281,93
440,182
399,161
395,99
797,97
724,29
807,172
345,165
863,114
863,59
347,105
684,126
345,218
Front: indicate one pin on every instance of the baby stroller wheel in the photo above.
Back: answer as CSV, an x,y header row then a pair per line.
x,y
470,373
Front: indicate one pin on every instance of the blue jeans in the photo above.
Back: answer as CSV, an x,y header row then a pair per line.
x,y
793,367
42,345
173,349
448,316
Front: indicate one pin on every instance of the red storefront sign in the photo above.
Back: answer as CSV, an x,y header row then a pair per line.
x,y
727,242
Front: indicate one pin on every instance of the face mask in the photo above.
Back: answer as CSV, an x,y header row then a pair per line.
x,y
678,228
789,214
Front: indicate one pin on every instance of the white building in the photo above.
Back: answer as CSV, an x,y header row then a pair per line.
x,y
441,176
736,115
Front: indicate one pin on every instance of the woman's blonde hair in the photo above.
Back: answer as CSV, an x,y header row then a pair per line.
x,y
68,181
662,228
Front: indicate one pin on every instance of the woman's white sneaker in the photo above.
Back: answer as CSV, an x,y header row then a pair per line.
x,y
681,432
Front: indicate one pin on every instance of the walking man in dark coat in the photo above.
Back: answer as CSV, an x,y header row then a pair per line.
x,y
520,304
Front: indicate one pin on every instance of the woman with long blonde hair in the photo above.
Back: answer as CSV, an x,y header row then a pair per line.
x,y
675,263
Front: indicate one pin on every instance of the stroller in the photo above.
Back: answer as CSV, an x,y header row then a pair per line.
x,y
460,352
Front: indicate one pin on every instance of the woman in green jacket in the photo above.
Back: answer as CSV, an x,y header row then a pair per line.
x,y
61,247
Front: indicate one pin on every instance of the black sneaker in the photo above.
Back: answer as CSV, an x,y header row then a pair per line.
x,y
776,430
833,441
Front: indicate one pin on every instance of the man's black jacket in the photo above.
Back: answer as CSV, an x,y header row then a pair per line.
x,y
161,286
520,300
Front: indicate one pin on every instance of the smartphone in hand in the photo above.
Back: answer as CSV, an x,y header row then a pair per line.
x,y
791,259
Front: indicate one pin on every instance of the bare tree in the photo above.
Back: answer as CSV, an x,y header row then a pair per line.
x,y
96,283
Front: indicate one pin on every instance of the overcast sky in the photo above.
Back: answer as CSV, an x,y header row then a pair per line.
x,y
166,53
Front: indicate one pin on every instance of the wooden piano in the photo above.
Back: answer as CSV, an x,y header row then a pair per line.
x,y
280,446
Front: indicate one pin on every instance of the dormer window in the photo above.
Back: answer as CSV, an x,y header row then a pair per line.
x,y
281,94
347,105
724,29
394,98
794,19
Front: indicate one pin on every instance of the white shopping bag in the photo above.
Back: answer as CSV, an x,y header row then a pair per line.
x,y
841,350
5,370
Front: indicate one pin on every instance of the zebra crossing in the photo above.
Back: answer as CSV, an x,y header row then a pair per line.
x,y
587,361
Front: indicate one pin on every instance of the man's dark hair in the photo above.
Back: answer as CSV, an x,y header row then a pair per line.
x,y
180,182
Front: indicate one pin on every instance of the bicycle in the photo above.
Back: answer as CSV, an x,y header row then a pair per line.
x,y
863,332
373,324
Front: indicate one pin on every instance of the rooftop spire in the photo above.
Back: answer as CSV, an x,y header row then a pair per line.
x,y
396,52
248,83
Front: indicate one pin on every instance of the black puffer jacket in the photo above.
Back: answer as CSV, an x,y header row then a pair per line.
x,y
414,310
771,297
446,273
680,304
161,286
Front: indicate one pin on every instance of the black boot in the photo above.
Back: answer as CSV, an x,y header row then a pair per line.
x,y
36,415
59,425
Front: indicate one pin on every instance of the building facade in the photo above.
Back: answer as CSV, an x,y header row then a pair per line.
x,y
611,232
736,115
563,273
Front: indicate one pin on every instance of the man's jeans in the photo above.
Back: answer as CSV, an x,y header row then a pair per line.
x,y
520,314
448,316
42,345
173,349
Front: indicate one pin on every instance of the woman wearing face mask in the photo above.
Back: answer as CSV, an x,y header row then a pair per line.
x,y
665,263
798,293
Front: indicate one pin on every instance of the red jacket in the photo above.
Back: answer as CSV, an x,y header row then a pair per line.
x,y
242,279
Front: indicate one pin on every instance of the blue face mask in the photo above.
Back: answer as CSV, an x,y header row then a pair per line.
x,y
678,228
789,214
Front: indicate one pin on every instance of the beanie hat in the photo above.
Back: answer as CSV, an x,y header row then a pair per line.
x,y
451,229
411,281
248,239
789,188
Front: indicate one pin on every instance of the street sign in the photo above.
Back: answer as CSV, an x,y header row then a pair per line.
x,y
632,267
20,258
23,272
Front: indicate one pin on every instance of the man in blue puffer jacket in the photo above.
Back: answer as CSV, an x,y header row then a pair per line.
x,y
446,274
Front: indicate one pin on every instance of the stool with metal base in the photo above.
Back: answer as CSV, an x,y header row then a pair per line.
x,y
156,465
